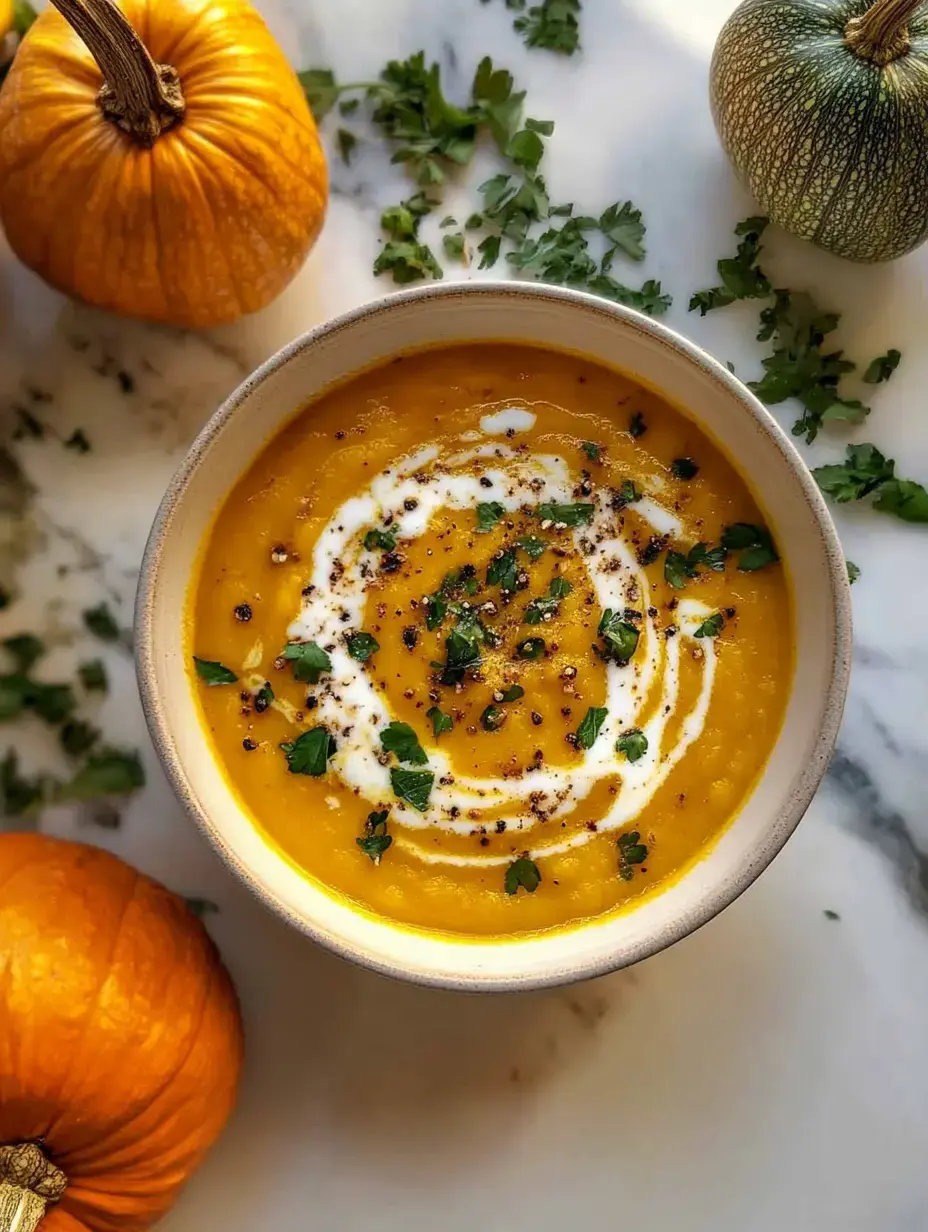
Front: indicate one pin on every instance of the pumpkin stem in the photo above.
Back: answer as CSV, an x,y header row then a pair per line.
x,y
28,1182
881,35
142,97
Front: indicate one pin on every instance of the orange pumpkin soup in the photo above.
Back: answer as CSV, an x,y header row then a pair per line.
x,y
491,640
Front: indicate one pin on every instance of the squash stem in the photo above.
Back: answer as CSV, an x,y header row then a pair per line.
x,y
28,1182
881,35
143,98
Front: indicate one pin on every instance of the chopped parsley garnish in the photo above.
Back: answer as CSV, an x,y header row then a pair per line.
x,y
362,645
631,852
20,796
310,752
488,514
376,840
522,874
51,702
380,541
625,495
492,718
25,648
593,451
101,623
633,743
78,441
503,571
347,142
684,468
453,245
403,255
590,726
620,637
637,426
559,588
77,737
547,606
882,368
579,514
413,786
853,572
712,626
263,698
531,648
441,722
680,567
93,676
462,652
865,472
435,609
401,740
753,543
213,672
553,24
109,772
309,661
742,277
513,693
532,546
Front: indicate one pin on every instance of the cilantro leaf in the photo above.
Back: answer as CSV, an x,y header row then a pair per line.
x,y
441,723
631,852
633,743
488,514
522,874
310,752
882,368
401,740
578,514
309,661
375,840
214,673
361,646
590,726
414,786
620,637
754,544
712,626
101,623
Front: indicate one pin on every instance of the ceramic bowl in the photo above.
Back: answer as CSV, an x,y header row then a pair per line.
x,y
616,337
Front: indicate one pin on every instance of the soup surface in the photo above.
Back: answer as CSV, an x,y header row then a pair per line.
x,y
491,640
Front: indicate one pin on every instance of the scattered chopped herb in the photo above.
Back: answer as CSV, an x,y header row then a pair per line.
x,y
321,90
882,368
547,606
553,25
441,723
25,648
593,451
513,693
590,726
853,572
376,840
309,661
622,226
462,652
531,648
28,426
213,672
620,637
680,567
263,697
684,468
380,541
347,143
77,737
625,495
631,852
435,609
742,277
492,718
310,752
522,874
93,676
362,645
831,915
578,514
753,543
532,546
403,255
633,743
101,623
712,626
864,472
559,588
78,442
414,786
503,571
401,740
488,514
637,426
51,702
109,772
453,245
20,796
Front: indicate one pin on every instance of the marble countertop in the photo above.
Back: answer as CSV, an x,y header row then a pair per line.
x,y
769,1072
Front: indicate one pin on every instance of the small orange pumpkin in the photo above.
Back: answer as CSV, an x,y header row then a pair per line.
x,y
120,1040
176,176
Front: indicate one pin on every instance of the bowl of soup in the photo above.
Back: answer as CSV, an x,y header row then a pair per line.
x,y
495,635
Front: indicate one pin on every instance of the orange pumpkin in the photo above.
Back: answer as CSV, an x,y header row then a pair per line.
x,y
120,1039
186,185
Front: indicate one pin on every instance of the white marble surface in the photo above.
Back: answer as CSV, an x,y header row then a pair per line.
x,y
772,1071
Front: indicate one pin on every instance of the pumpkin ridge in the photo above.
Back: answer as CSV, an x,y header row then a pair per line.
x,y
254,135
159,237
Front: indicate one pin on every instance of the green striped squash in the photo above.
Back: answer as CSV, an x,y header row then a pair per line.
x,y
822,107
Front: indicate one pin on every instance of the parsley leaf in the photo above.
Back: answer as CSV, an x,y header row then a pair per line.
x,y
376,840
590,726
679,567
309,661
753,543
93,676
593,451
712,626
503,571
400,739
436,608
361,646
633,743
109,772
866,471
321,90
513,693
77,737
684,468
566,515
882,368
531,648
742,277
552,24
624,496
488,514
637,426
905,499
263,698
620,638
101,623
453,245
441,723
622,226
492,718
547,606
853,572
462,651
631,852
347,143
214,673
20,796
414,786
380,540
532,546
25,648
522,874
310,752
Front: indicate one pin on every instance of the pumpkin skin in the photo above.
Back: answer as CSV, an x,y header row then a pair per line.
x,y
6,16
833,147
120,1035
209,223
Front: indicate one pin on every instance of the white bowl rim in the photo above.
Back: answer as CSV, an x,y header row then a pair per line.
x,y
790,814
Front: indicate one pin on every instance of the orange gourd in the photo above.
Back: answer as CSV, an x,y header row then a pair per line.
x,y
174,174
120,1040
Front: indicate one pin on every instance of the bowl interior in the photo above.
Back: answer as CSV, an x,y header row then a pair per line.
x,y
614,337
